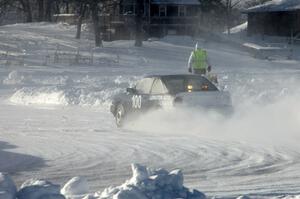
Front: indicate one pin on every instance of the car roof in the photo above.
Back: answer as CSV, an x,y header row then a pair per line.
x,y
174,76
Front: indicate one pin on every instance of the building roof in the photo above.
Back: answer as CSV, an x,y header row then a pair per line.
x,y
276,6
176,2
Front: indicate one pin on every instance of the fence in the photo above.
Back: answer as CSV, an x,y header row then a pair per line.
x,y
73,57
58,54
82,57
12,58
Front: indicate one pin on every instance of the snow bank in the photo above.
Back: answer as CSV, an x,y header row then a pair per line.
x,y
8,188
292,197
15,78
63,90
243,197
39,189
269,197
77,187
40,96
239,28
56,95
146,183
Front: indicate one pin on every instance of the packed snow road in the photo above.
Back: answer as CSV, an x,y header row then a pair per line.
x,y
55,123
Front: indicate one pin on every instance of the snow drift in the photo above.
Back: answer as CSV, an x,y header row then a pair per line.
x,y
42,96
39,189
146,183
207,151
75,188
15,78
56,95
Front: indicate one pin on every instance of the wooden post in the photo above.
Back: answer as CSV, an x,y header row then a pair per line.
x,y
56,57
77,56
23,58
92,55
7,58
292,45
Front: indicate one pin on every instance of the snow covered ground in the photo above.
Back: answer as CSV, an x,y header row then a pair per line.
x,y
55,123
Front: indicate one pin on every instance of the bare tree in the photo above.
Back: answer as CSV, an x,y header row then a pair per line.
x,y
26,8
251,3
81,14
139,24
4,5
230,5
41,4
49,10
211,13
96,22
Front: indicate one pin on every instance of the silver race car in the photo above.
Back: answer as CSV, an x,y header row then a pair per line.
x,y
165,91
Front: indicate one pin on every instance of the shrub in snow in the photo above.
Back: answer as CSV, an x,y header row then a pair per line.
x,y
8,188
77,187
155,184
39,189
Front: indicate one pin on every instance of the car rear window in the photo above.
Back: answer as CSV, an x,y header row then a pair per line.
x,y
178,84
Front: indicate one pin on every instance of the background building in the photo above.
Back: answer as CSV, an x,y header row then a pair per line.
x,y
160,17
275,18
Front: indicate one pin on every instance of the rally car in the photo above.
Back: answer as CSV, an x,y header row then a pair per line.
x,y
160,91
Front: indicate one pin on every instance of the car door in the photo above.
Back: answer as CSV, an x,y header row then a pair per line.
x,y
140,100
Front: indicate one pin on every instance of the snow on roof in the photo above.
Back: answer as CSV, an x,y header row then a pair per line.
x,y
177,2
276,6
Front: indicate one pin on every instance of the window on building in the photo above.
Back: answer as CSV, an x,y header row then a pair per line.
x,y
181,11
154,10
162,10
129,9
192,11
172,11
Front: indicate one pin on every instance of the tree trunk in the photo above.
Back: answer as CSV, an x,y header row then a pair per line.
x,y
67,8
41,10
139,24
228,15
80,18
48,12
97,31
27,9
57,7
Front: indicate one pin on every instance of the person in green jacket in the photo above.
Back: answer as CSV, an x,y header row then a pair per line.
x,y
198,62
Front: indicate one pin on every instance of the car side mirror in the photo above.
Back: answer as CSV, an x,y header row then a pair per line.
x,y
131,90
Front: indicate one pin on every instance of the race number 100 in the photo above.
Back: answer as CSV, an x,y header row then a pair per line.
x,y
136,101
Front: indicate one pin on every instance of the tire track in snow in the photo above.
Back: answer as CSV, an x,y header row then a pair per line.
x,y
216,166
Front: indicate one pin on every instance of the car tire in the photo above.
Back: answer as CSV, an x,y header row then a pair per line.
x,y
120,115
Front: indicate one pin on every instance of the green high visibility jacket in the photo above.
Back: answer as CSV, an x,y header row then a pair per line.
x,y
199,60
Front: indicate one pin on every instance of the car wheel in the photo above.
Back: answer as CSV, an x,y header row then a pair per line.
x,y
120,115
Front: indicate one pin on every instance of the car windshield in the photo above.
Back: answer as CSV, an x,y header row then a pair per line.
x,y
186,83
